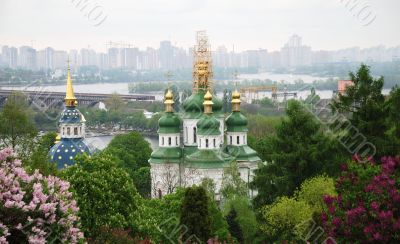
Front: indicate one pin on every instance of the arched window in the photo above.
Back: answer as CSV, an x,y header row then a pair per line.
x,y
206,143
230,140
80,130
194,135
76,131
162,141
238,140
169,141
214,142
68,131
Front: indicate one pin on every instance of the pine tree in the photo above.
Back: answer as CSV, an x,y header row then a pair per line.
x,y
234,227
195,215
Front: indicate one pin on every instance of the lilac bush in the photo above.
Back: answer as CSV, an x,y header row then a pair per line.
x,y
367,207
34,208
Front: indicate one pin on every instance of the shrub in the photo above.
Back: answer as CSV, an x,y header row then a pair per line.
x,y
366,208
34,208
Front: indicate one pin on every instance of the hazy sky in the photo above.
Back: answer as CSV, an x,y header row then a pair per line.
x,y
247,24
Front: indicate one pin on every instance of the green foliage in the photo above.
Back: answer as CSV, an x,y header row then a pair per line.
x,y
195,214
392,106
17,129
234,227
260,126
363,104
284,219
39,159
312,191
132,153
142,181
232,184
246,217
298,151
219,226
105,193
159,219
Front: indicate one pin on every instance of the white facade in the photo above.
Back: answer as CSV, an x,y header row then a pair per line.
x,y
209,142
190,132
169,140
72,130
236,138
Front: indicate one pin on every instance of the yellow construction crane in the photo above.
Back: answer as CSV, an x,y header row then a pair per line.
x,y
251,92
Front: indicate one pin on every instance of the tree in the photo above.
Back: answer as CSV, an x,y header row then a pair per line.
x,y
284,218
234,227
246,217
368,200
232,185
298,151
39,159
132,152
105,193
392,106
195,214
16,123
142,181
296,218
363,104
35,208
114,102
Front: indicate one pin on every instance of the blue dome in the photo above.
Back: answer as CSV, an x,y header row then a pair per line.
x,y
71,115
64,152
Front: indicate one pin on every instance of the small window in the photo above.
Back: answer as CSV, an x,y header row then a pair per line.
x,y
214,143
206,143
169,141
194,135
162,141
63,131
230,140
80,130
176,141
68,131
76,131
244,139
200,143
238,140
186,134
159,193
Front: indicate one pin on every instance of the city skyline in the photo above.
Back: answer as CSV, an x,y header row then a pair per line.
x,y
166,56
325,25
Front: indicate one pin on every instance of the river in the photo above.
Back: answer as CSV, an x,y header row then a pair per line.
x,y
101,142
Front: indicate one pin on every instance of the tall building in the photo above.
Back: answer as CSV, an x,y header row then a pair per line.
x,y
71,135
10,56
204,152
27,57
294,53
166,55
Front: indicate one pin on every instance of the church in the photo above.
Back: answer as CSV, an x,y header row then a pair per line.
x,y
200,141
71,136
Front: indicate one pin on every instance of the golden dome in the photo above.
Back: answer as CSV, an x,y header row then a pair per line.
x,y
235,95
169,95
58,139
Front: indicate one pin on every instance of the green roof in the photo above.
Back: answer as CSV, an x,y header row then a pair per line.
x,y
166,155
193,106
208,159
243,153
208,125
236,122
169,123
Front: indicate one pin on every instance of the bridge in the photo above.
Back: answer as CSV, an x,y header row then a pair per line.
x,y
56,99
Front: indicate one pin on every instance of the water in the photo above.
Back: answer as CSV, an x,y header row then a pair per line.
x,y
287,78
101,142
122,88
